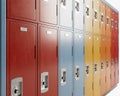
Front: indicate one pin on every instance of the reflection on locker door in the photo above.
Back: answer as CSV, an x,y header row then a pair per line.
x,y
65,12
78,65
96,16
65,63
96,66
21,58
102,66
88,66
48,11
88,16
78,14
47,62
22,9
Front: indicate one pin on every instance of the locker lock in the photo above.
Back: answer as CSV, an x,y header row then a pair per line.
x,y
63,77
107,64
63,2
77,6
17,87
44,82
102,18
95,67
87,70
87,11
102,66
77,73
95,14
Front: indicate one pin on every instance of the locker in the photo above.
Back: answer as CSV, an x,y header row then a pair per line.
x,y
102,65
102,18
88,16
47,61
65,63
22,10
78,14
65,13
48,11
96,16
96,66
78,87
88,65
21,64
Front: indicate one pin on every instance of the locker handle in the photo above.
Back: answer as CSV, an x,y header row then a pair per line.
x,y
63,2
107,64
95,67
63,77
87,11
87,70
77,73
102,66
107,20
77,6
95,14
102,18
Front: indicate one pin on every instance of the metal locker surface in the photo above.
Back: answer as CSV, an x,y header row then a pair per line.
x,y
23,9
65,63
88,16
78,14
48,11
66,13
102,65
96,16
88,65
21,65
47,61
78,77
96,65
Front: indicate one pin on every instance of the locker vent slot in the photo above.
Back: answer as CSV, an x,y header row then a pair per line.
x,y
77,73
63,77
77,6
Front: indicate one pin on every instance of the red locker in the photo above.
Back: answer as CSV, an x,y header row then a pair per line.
x,y
21,64
47,61
22,9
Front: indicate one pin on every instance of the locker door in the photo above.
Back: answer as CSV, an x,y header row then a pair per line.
x,y
65,13
47,62
88,16
78,65
78,14
65,63
21,58
96,16
102,66
96,66
88,66
22,9
48,11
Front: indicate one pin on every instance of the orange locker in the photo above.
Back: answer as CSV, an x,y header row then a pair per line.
x,y
88,16
96,16
96,65
102,65
88,66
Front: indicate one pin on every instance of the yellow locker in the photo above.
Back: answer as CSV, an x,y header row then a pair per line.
x,y
96,64
96,16
88,16
88,66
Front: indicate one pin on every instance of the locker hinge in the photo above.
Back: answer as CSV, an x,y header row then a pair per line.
x,y
56,10
83,91
72,16
35,5
99,82
92,86
92,4
56,51
35,51
72,93
84,49
72,50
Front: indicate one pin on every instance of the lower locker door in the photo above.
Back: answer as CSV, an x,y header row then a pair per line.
x,y
96,66
47,62
21,58
65,63
88,66
78,78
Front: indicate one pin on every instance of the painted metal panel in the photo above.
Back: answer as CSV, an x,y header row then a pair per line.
x,y
78,89
47,61
65,63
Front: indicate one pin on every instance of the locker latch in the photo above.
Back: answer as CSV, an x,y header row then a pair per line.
x,y
87,11
63,2
95,67
87,70
63,77
77,73
77,6
17,87
102,18
102,66
95,14
44,82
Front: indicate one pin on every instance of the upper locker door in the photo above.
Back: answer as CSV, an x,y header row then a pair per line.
x,y
21,58
96,63
48,11
22,9
47,62
78,14
65,63
88,16
78,65
96,16
65,13
88,65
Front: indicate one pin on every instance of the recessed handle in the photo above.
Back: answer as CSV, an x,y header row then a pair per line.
x,y
102,66
95,67
77,73
77,6
63,77
95,14
63,2
87,11
87,70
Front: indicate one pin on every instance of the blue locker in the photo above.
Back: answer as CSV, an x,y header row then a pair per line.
x,y
78,65
65,63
